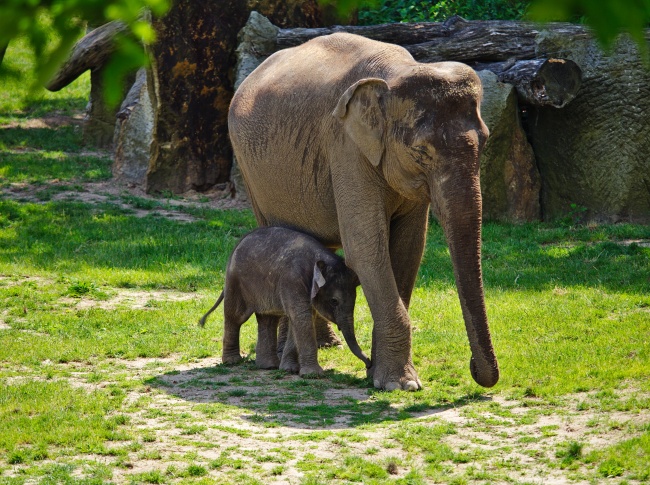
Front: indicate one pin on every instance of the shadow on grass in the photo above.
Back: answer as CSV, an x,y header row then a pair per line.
x,y
67,236
65,138
274,397
40,105
40,168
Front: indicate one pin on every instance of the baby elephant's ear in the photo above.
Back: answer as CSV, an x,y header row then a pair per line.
x,y
318,281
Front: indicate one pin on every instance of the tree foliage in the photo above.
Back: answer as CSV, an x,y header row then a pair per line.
x,y
607,18
52,26
388,11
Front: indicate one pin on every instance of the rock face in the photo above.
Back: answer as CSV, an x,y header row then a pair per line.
x,y
134,133
256,40
594,153
99,121
510,181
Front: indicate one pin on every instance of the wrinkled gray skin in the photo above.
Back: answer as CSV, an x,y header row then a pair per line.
x,y
352,140
274,272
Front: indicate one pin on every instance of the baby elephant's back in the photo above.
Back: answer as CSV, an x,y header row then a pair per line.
x,y
269,254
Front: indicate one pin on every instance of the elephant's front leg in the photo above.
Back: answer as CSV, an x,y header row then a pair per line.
x,y
325,335
365,235
392,366
302,335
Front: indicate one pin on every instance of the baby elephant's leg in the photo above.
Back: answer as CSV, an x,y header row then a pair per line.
x,y
283,334
304,336
289,354
266,356
234,317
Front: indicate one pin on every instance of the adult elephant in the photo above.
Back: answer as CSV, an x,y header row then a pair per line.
x,y
352,140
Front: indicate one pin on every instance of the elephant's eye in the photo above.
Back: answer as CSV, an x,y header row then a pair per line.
x,y
422,154
334,302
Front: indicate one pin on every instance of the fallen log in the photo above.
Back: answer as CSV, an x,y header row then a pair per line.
x,y
91,52
456,39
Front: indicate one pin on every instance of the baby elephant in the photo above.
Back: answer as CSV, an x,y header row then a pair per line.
x,y
274,272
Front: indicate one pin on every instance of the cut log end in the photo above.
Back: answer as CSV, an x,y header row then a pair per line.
x,y
545,82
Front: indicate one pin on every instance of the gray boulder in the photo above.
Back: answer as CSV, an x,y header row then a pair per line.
x,y
134,133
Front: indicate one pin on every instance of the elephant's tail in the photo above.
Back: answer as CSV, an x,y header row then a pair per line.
x,y
214,307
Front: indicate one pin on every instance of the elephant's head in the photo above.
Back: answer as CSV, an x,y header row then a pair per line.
x,y
423,130
333,294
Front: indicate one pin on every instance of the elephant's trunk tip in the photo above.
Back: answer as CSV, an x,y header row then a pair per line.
x,y
487,376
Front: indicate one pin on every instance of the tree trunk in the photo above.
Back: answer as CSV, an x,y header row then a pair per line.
x,y
190,93
191,86
91,53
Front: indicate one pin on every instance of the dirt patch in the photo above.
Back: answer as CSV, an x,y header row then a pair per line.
x,y
50,121
135,299
218,420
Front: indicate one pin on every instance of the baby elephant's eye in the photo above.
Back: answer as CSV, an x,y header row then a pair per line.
x,y
334,302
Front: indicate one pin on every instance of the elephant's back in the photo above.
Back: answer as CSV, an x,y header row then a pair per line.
x,y
317,71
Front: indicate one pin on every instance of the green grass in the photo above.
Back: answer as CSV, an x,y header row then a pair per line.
x,y
18,103
103,368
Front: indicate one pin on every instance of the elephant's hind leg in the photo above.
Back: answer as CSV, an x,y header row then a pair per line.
x,y
266,356
234,318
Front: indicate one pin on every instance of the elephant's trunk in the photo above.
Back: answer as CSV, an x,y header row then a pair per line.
x,y
351,340
460,210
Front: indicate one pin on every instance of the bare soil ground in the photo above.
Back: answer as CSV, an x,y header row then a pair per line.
x,y
198,412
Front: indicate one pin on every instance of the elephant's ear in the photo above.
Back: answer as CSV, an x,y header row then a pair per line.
x,y
359,110
318,280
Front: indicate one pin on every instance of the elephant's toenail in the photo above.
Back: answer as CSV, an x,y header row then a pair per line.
x,y
411,386
392,386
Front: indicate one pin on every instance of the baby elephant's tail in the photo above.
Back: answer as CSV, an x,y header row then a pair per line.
x,y
214,307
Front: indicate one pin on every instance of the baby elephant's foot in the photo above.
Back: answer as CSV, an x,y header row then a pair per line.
x,y
290,366
311,370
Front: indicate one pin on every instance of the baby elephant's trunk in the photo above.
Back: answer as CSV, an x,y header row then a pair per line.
x,y
351,340
214,307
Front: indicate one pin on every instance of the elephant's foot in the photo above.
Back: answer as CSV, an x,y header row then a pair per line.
x,y
289,362
231,358
325,335
386,375
267,361
311,370
289,366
